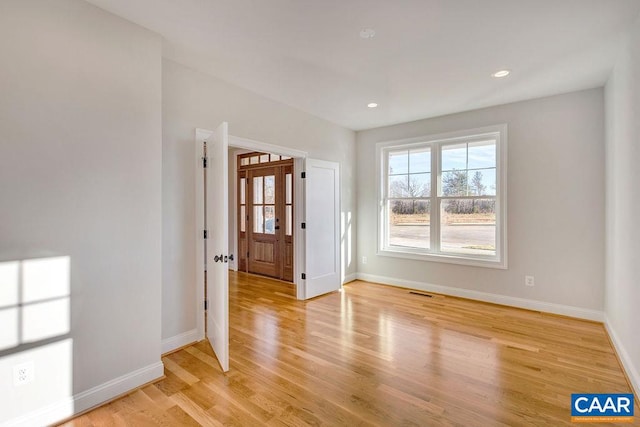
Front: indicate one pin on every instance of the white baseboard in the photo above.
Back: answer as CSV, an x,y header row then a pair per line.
x,y
633,372
547,307
102,393
89,398
180,340
349,278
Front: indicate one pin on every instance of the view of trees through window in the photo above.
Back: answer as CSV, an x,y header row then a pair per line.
x,y
410,197
466,198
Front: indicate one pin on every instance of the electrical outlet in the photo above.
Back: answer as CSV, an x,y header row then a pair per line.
x,y
364,259
529,281
23,373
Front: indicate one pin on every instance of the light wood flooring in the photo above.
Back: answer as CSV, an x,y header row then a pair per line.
x,y
375,355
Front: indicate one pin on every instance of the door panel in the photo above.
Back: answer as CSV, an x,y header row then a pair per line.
x,y
263,253
217,244
322,241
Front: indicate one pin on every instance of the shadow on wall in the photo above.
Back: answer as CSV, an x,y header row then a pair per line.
x,y
36,373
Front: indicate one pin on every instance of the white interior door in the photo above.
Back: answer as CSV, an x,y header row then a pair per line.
x,y
322,222
217,246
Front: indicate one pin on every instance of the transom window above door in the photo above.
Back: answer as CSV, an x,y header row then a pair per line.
x,y
259,158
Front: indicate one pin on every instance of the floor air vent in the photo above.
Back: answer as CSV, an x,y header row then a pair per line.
x,y
421,294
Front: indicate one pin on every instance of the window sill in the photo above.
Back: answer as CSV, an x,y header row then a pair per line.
x,y
449,259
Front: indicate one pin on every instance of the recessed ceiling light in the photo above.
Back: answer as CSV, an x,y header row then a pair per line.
x,y
501,73
372,105
367,33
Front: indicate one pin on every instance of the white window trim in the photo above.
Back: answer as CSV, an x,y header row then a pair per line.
x,y
500,261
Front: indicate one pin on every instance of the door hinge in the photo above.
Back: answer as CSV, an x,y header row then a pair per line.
x,y
304,225
205,234
206,305
304,276
204,162
303,175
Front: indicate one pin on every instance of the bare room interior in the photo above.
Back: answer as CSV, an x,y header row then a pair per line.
x,y
348,212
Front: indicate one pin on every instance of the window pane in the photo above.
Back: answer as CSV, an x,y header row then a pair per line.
x,y
482,182
409,223
269,189
289,189
258,219
269,220
243,218
398,186
255,160
468,226
257,190
243,184
244,161
454,156
482,154
420,185
454,183
289,220
264,158
420,160
284,157
275,157
398,162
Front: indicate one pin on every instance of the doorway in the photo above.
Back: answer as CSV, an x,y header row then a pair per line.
x,y
265,206
315,227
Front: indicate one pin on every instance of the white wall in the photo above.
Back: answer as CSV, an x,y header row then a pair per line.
x,y
622,96
190,100
555,206
80,176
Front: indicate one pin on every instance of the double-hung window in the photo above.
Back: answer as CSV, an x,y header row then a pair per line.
x,y
443,197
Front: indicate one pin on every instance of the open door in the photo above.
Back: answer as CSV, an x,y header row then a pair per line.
x,y
216,212
322,226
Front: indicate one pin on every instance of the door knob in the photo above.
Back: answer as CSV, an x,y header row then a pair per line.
x,y
218,258
230,257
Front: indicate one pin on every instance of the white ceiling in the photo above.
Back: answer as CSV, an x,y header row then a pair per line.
x,y
428,57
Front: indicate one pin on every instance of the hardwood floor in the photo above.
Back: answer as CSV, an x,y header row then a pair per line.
x,y
376,355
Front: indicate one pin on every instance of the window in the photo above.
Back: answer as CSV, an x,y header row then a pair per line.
x,y
264,200
255,158
443,198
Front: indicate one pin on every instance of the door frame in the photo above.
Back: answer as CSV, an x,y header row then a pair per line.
x,y
299,157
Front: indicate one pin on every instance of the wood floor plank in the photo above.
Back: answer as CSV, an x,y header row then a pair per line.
x,y
375,355
194,411
180,417
180,372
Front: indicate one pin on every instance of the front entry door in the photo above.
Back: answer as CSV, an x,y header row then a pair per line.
x,y
265,215
264,223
